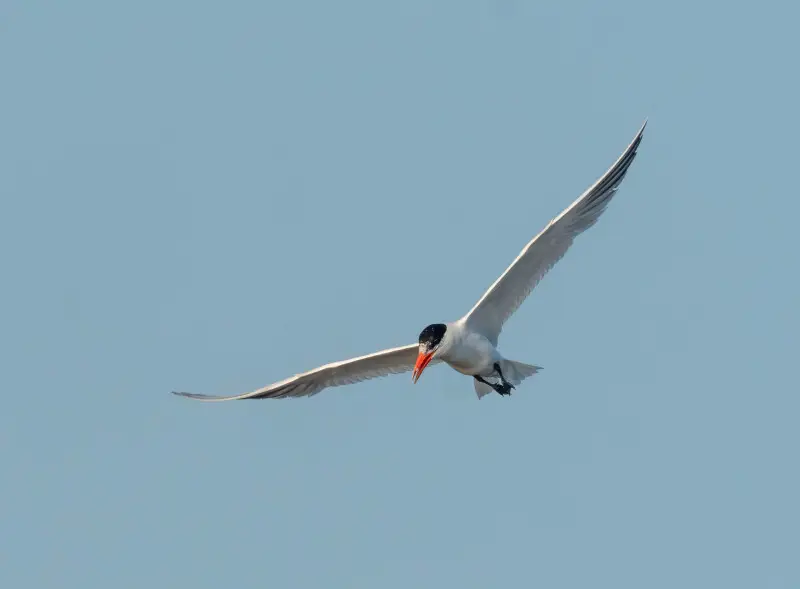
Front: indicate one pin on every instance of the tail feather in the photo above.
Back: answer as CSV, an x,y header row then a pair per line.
x,y
514,372
482,388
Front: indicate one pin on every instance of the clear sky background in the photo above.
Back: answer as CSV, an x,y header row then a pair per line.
x,y
214,196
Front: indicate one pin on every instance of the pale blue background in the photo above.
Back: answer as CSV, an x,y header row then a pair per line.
x,y
213,196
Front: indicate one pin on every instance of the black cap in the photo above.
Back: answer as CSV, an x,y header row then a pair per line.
x,y
432,335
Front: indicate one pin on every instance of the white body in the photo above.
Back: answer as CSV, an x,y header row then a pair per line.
x,y
467,351
469,345
471,353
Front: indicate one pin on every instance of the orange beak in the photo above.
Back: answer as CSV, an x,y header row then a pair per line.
x,y
422,361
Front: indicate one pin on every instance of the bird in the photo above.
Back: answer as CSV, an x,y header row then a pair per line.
x,y
468,345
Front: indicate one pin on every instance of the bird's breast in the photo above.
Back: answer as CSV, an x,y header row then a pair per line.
x,y
471,354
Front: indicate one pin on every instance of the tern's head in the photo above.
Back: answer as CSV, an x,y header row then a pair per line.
x,y
429,341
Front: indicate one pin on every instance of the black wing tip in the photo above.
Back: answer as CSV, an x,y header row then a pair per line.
x,y
202,397
614,175
638,139
193,395
639,134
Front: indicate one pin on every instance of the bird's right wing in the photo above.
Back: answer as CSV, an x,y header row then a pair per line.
x,y
543,251
351,371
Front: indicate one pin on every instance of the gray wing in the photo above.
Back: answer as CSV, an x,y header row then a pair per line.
x,y
543,251
392,361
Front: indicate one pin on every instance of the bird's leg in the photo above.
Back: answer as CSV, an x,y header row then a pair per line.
x,y
505,385
502,389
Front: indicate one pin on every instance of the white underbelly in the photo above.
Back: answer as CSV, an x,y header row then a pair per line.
x,y
472,355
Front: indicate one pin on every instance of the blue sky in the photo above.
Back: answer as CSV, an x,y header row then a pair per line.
x,y
213,196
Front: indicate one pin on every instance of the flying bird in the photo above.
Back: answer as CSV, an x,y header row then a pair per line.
x,y
469,345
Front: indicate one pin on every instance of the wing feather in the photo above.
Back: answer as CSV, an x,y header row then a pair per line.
x,y
383,363
543,252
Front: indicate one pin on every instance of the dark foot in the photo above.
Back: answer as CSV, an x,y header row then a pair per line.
x,y
506,386
502,389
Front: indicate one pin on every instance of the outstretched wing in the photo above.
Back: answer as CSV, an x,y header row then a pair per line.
x,y
543,251
351,371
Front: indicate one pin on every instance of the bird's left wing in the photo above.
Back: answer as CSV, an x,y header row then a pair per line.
x,y
351,371
543,251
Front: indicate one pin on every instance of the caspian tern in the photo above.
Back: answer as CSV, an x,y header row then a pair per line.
x,y
469,345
